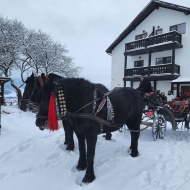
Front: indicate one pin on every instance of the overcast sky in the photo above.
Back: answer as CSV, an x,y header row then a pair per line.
x,y
87,27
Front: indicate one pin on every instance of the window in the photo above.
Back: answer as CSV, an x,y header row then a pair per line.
x,y
180,28
139,63
185,89
140,36
159,31
163,60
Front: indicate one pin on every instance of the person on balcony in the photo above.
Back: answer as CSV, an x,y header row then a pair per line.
x,y
145,85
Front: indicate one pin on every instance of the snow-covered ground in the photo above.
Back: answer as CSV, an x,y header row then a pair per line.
x,y
31,159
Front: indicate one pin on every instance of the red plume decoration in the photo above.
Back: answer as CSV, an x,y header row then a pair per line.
x,y
52,118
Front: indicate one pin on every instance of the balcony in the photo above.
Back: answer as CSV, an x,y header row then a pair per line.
x,y
162,42
161,72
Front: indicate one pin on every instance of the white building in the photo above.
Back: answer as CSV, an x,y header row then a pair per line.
x,y
156,42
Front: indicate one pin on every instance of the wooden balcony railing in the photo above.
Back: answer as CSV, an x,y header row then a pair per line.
x,y
172,36
154,70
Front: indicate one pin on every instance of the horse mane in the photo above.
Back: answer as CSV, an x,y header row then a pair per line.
x,y
75,86
53,76
78,87
44,91
30,79
100,87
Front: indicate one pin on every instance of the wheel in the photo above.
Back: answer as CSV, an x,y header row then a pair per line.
x,y
159,127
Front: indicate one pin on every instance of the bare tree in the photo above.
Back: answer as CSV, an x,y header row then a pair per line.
x,y
26,50
9,39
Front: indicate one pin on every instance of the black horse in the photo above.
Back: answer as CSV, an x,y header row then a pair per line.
x,y
31,93
31,90
79,100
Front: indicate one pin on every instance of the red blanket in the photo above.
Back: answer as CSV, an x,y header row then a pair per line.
x,y
180,106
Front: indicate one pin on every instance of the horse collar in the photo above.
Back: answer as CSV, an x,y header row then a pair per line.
x,y
59,101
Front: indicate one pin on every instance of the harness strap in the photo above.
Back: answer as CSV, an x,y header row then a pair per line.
x,y
100,106
94,104
93,117
41,116
110,112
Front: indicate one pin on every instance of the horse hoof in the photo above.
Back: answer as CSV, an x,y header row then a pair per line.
x,y
108,139
81,168
88,180
134,155
70,148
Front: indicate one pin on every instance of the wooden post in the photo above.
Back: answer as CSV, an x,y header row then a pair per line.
x,y
149,63
154,84
173,60
131,84
124,83
172,87
177,89
125,65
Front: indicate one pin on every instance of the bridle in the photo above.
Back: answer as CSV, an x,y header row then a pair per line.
x,y
34,87
39,78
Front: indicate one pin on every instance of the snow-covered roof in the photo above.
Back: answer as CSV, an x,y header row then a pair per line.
x,y
181,79
152,5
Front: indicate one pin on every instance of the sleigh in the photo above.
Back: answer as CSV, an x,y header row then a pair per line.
x,y
181,111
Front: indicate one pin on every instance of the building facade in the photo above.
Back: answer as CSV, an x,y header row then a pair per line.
x,y
157,43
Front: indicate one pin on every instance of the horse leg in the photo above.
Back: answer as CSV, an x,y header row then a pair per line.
x,y
108,136
68,134
91,140
134,124
70,137
82,162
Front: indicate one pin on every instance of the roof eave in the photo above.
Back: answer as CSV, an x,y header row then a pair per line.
x,y
153,4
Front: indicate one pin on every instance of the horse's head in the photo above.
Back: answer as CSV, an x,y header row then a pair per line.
x,y
29,85
43,100
30,91
73,92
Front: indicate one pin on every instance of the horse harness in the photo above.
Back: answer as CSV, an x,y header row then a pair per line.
x,y
61,111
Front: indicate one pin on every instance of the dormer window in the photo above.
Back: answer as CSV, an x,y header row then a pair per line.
x,y
180,28
159,31
140,36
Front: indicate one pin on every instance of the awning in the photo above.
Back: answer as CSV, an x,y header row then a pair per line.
x,y
4,79
181,79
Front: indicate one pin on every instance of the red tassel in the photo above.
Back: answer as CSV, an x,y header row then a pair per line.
x,y
52,119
